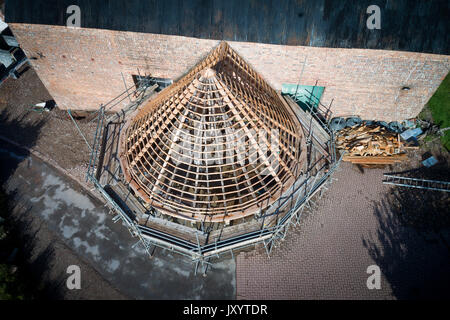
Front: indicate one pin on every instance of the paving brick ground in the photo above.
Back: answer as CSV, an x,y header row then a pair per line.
x,y
327,256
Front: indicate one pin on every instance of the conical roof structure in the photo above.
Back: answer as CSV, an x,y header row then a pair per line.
x,y
219,144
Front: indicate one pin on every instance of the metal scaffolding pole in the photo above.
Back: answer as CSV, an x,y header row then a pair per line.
x,y
286,208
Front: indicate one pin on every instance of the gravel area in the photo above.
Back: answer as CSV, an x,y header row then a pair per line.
x,y
52,133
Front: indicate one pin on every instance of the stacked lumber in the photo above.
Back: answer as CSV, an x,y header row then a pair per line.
x,y
370,144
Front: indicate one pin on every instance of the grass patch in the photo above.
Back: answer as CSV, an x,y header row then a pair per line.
x,y
439,105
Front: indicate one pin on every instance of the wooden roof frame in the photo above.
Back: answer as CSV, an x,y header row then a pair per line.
x,y
222,86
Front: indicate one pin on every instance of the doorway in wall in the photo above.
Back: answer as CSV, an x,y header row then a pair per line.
x,y
161,82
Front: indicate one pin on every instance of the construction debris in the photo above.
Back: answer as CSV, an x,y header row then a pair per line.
x,y
371,144
43,106
339,123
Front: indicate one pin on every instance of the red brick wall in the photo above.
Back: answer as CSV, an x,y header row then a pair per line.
x,y
82,68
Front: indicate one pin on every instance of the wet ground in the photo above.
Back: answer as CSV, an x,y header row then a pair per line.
x,y
103,248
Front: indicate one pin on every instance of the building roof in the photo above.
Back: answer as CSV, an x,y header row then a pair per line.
x,y
218,144
406,25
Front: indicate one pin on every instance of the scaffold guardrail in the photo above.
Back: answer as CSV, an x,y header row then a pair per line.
x,y
201,253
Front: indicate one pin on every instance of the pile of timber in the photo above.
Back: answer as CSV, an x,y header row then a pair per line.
x,y
370,144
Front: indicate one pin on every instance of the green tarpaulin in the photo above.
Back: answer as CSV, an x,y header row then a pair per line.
x,y
304,95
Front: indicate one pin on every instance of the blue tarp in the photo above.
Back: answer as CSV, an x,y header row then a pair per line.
x,y
411,133
431,161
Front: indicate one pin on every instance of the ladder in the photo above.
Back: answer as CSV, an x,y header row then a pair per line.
x,y
417,183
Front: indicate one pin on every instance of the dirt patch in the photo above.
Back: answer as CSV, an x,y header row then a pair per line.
x,y
54,134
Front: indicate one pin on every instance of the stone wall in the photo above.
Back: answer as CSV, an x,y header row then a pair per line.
x,y
83,68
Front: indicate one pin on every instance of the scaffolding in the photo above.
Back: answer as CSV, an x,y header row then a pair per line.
x,y
203,241
200,252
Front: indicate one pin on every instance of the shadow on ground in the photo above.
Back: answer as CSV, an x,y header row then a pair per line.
x,y
10,127
412,244
11,155
32,261
29,266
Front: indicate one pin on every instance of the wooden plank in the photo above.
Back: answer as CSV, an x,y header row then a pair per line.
x,y
375,159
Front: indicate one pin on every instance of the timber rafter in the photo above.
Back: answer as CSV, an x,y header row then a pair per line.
x,y
196,150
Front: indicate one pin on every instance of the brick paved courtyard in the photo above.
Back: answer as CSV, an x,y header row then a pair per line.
x,y
327,256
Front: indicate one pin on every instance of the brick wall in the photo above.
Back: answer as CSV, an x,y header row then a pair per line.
x,y
83,68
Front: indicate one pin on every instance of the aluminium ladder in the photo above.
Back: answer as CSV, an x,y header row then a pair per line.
x,y
417,183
